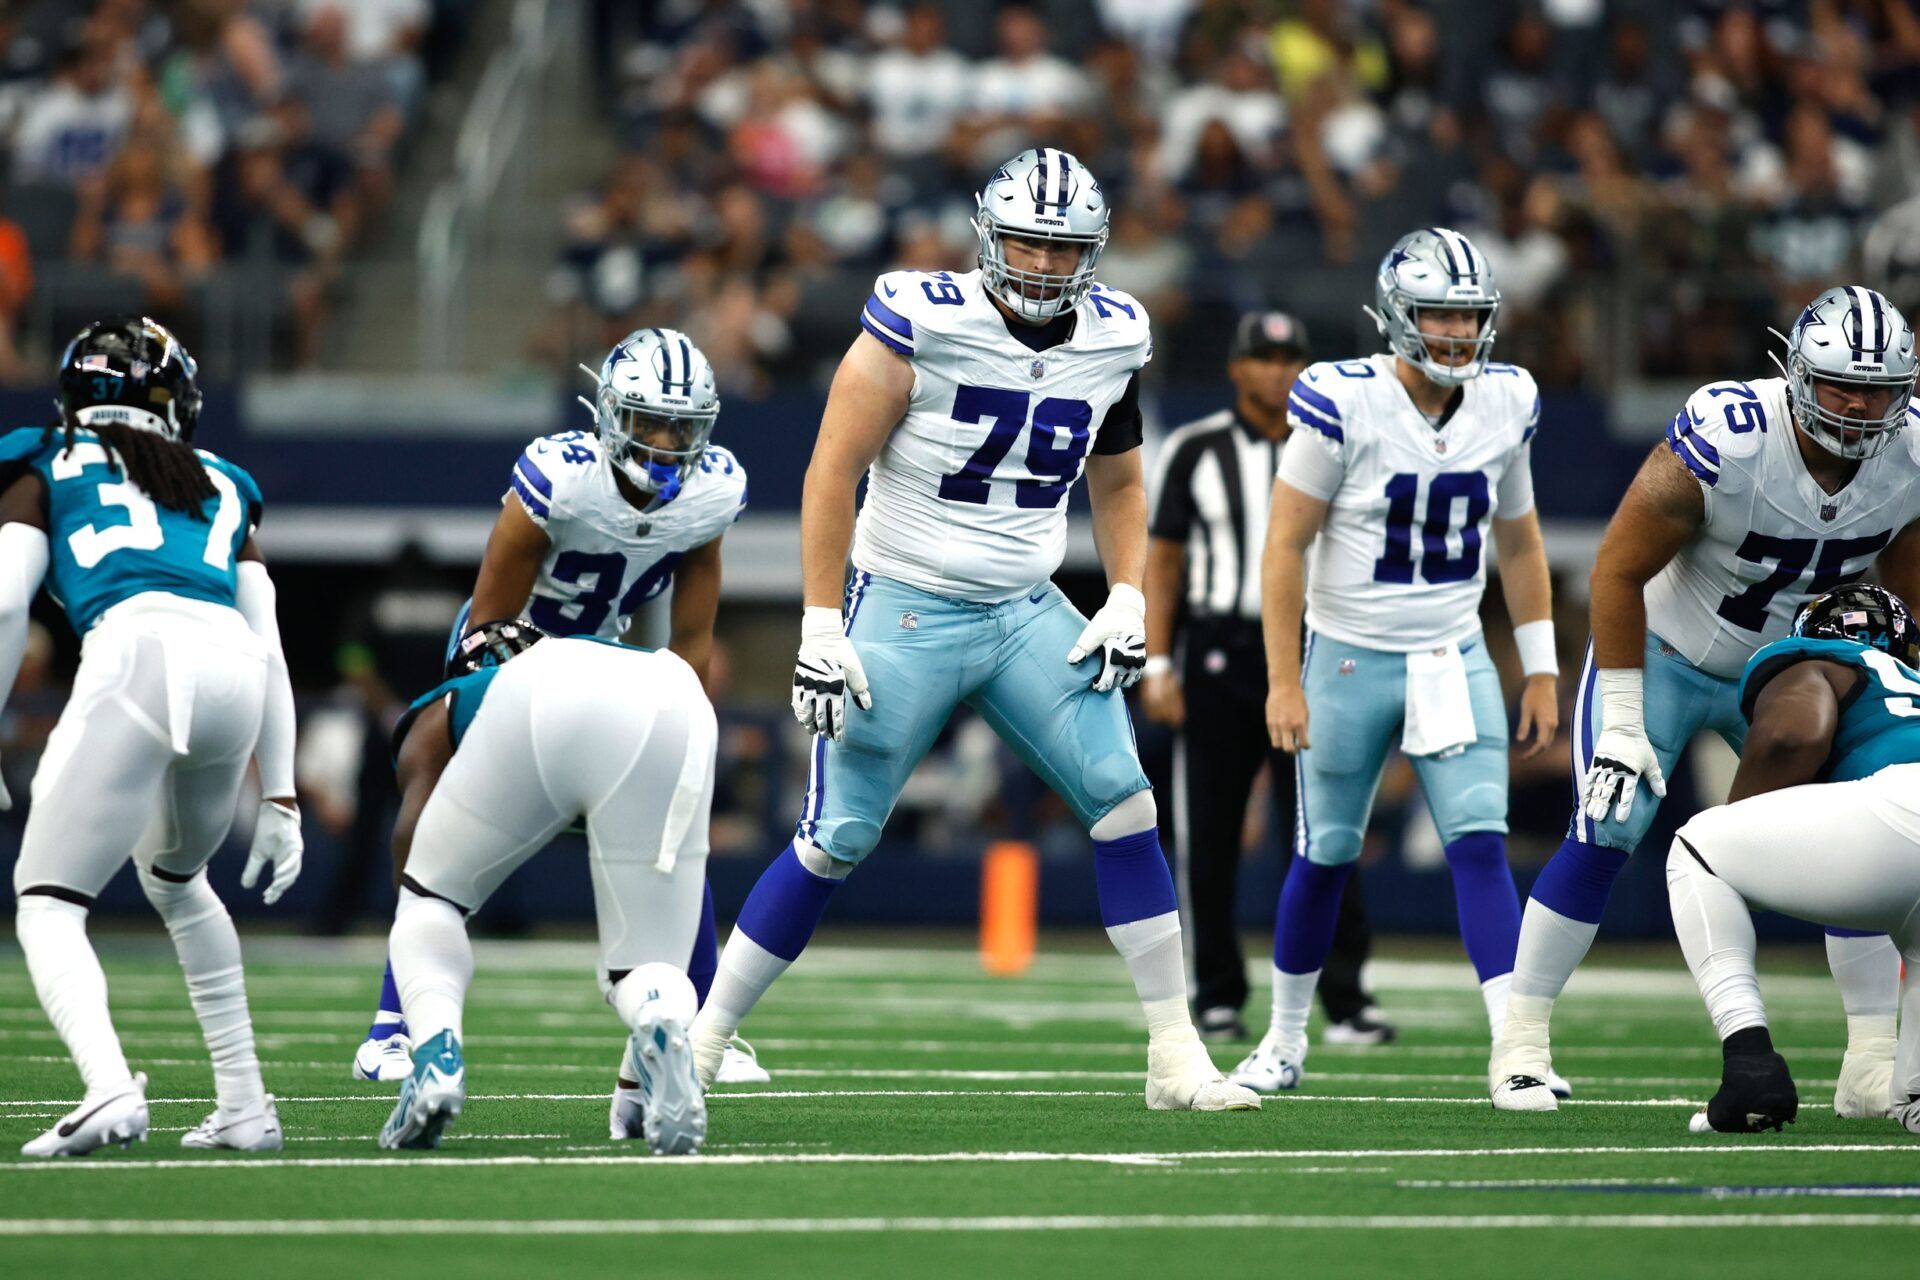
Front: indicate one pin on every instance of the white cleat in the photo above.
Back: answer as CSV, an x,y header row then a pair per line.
x,y
1181,1077
1271,1067
1522,1092
389,1060
1697,1122
1865,1088
117,1118
257,1129
673,1107
739,1064
1908,1114
430,1098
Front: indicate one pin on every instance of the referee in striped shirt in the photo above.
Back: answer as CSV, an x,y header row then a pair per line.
x,y
1209,521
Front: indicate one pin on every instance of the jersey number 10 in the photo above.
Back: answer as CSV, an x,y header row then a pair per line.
x,y
1437,564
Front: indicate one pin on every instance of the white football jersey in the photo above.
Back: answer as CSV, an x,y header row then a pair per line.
x,y
968,498
608,557
1773,539
1400,562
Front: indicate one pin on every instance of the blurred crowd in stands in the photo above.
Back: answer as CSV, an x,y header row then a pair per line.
x,y
1655,180
181,156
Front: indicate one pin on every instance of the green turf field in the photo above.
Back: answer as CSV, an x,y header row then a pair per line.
x,y
925,1120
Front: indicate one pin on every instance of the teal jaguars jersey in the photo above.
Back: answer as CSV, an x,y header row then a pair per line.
x,y
1879,721
108,540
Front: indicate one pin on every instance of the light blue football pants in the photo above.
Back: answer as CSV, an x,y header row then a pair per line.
x,y
926,654
1356,706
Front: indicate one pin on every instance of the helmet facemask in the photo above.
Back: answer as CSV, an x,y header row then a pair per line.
x,y
656,453
1404,335
1035,296
1845,437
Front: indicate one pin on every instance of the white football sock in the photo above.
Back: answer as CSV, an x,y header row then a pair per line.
x,y
432,964
1906,1067
1715,929
746,970
1292,1003
1494,992
1551,948
1867,971
209,950
72,987
1158,966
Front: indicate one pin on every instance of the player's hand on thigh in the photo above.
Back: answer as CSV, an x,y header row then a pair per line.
x,y
827,669
1287,717
1621,758
277,842
1539,714
1118,634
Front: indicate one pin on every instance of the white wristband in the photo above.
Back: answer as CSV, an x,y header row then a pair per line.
x,y
1158,664
820,620
1539,656
1620,698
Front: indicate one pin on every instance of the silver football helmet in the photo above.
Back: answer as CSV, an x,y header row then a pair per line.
x,y
1437,268
1850,336
1043,194
654,408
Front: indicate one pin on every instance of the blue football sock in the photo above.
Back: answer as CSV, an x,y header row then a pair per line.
x,y
1131,877
706,949
1835,931
1577,879
785,906
1309,908
389,1021
1488,903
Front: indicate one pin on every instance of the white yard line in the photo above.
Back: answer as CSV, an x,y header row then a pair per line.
x,y
1119,1158
282,1227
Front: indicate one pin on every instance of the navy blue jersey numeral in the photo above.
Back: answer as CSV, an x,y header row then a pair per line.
x,y
1106,304
1445,492
942,291
1054,463
1744,413
1356,369
1790,557
599,577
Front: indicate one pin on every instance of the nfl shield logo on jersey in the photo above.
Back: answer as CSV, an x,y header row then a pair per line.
x,y
1038,368
1829,510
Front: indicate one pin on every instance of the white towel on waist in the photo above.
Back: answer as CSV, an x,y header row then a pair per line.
x,y
1439,718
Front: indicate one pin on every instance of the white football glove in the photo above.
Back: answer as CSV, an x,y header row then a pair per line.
x,y
828,669
6,796
1622,755
1118,633
276,840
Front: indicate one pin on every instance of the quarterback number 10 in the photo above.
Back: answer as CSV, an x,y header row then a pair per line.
x,y
1055,462
1443,492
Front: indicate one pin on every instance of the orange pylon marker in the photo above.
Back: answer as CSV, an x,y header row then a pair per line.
x,y
1009,907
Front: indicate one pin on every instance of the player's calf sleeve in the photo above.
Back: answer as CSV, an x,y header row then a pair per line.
x,y
1562,916
72,987
209,950
1142,917
388,1020
775,924
1488,904
432,963
706,948
1303,930
1715,929
1866,968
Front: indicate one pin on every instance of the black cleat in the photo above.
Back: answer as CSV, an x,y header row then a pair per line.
x,y
1365,1028
1221,1023
1756,1094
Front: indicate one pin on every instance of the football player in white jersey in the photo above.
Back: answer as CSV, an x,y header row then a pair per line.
x,y
1398,467
595,524
972,403
1763,495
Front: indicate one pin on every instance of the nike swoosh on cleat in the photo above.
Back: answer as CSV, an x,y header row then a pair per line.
x,y
70,1127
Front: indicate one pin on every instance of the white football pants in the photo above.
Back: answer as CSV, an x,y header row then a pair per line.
x,y
572,729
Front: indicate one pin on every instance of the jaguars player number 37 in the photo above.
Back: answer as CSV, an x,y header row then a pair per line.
x,y
972,402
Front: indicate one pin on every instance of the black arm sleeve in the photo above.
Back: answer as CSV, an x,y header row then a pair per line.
x,y
1120,429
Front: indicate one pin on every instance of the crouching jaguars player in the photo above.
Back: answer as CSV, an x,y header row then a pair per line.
x,y
1763,495
1398,468
493,764
147,544
593,525
1824,824
972,403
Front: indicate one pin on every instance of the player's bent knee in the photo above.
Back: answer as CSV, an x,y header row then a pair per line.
x,y
820,862
1334,847
1136,813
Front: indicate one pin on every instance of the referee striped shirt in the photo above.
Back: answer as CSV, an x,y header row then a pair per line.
x,y
1210,490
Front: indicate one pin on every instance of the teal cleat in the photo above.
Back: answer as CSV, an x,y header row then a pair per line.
x,y
429,1098
674,1108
